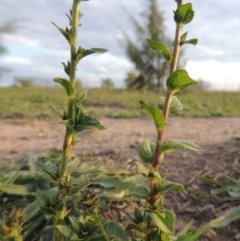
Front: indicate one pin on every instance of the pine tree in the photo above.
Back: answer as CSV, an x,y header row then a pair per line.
x,y
150,66
8,27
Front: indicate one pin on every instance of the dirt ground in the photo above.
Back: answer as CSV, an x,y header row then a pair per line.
x,y
119,144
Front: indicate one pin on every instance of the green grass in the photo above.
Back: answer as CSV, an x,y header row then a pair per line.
x,y
35,102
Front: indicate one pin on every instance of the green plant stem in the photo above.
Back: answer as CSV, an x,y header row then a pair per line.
x,y
74,25
158,157
101,227
177,46
66,150
75,14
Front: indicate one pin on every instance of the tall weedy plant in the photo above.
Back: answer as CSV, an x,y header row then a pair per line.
x,y
75,118
152,222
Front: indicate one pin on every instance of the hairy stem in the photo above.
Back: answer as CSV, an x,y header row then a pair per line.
x,y
158,157
101,227
177,46
74,25
75,14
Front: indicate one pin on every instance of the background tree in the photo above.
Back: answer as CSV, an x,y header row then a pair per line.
x,y
8,27
149,65
107,84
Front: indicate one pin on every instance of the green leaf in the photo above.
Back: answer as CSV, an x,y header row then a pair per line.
x,y
167,186
31,210
81,53
114,183
146,151
193,41
75,223
66,68
156,114
161,48
185,230
69,123
184,14
186,235
66,85
179,81
210,181
184,37
65,33
142,169
141,191
76,189
164,220
222,221
170,146
13,189
175,105
81,96
113,230
41,198
88,123
61,113
65,231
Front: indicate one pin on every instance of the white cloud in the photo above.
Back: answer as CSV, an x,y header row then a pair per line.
x,y
222,76
7,60
96,67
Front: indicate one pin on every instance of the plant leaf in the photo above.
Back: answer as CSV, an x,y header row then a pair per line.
x,y
170,146
31,210
184,37
66,68
167,186
66,34
162,49
175,105
142,169
13,189
115,232
156,114
222,221
164,220
64,230
81,96
141,191
61,113
85,52
88,123
66,85
69,123
186,235
146,151
193,41
179,81
184,14
114,183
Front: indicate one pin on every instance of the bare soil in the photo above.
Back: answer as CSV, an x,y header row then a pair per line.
x,y
119,144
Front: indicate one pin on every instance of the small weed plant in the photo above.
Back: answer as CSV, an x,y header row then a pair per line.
x,y
68,201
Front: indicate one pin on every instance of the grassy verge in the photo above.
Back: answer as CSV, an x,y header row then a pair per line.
x,y
35,102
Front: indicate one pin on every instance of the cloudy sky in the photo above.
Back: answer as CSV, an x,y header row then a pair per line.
x,y
36,49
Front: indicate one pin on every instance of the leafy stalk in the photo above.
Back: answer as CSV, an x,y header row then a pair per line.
x,y
74,22
177,43
158,156
177,81
74,26
100,226
75,118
